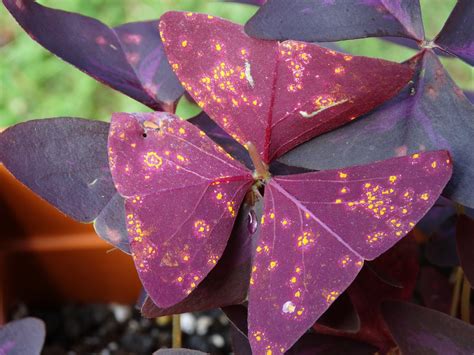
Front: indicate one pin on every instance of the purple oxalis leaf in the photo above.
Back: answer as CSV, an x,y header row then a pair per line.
x,y
422,331
317,230
433,113
228,282
265,91
69,159
128,58
457,36
182,195
22,337
335,20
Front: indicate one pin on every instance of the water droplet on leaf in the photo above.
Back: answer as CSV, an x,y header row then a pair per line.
x,y
252,222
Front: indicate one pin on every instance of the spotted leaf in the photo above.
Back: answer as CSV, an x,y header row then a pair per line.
x,y
227,284
317,230
457,36
335,20
128,58
276,95
431,113
182,193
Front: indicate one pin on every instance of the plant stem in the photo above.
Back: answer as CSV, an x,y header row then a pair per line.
x,y
465,301
176,334
456,291
261,169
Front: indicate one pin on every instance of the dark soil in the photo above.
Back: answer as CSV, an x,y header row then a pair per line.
x,y
108,329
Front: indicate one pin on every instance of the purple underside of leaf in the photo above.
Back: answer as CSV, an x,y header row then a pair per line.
x,y
264,91
419,330
24,336
182,195
228,282
319,227
128,58
465,245
64,161
457,36
335,20
430,114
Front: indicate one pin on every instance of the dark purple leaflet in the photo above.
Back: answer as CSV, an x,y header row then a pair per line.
x,y
128,58
264,91
69,159
431,113
182,195
335,20
339,218
457,36
418,330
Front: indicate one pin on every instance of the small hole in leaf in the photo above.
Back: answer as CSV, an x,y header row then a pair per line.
x,y
144,135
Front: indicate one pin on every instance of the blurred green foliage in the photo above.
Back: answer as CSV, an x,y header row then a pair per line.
x,y
36,84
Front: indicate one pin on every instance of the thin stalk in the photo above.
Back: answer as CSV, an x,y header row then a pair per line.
x,y
261,169
466,301
456,292
176,333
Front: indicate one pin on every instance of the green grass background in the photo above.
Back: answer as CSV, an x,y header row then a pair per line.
x,y
36,84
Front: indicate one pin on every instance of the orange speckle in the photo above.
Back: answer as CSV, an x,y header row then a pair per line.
x,y
425,196
184,43
342,175
218,47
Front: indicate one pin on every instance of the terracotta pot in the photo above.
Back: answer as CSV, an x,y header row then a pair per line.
x,y
47,258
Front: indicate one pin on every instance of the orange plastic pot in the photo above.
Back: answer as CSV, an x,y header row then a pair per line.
x,y
47,258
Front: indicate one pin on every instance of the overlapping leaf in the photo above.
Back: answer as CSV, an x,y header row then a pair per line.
x,y
318,228
182,195
128,58
335,20
457,36
64,161
22,337
276,95
419,330
433,113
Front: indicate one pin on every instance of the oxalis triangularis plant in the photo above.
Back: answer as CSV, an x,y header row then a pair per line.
x,y
209,212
